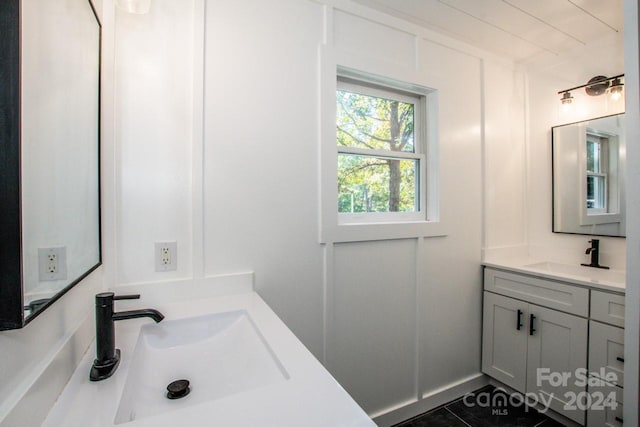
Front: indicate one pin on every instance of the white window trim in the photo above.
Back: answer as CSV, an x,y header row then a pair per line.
x,y
375,227
593,216
603,172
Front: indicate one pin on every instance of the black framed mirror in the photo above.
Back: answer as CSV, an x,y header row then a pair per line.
x,y
49,152
589,160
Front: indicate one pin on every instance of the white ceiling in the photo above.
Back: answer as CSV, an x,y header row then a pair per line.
x,y
521,30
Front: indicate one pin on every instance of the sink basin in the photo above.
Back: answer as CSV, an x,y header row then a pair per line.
x,y
219,354
586,273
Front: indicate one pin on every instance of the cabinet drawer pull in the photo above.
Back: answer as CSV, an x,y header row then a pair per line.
x,y
618,419
620,359
519,321
532,318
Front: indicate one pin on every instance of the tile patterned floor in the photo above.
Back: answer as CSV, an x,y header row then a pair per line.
x,y
475,411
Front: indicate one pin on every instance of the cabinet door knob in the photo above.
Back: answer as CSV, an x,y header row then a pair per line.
x,y
620,359
532,318
519,321
618,419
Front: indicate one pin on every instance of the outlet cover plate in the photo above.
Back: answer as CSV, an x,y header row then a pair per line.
x,y
166,256
52,264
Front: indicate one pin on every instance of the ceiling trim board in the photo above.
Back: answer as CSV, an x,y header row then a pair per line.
x,y
464,12
593,16
548,24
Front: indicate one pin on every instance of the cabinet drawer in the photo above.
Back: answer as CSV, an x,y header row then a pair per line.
x,y
607,308
606,352
547,293
611,414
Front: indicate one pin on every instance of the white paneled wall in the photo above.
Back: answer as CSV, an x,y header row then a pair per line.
x,y
260,154
230,134
357,36
505,157
154,124
371,344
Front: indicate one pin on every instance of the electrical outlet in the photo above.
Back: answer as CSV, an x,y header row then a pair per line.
x,y
52,264
166,256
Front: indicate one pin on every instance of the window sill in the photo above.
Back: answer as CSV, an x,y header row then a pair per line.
x,y
600,218
361,232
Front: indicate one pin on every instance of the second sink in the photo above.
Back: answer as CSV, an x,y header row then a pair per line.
x,y
586,273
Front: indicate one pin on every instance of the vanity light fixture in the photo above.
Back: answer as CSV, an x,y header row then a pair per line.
x,y
596,86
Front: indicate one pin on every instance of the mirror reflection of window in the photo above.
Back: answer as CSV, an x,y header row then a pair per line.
x,y
597,171
588,177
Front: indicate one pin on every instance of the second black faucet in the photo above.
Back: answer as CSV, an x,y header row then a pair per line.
x,y
594,251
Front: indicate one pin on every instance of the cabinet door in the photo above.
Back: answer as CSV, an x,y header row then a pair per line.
x,y
606,352
504,342
557,346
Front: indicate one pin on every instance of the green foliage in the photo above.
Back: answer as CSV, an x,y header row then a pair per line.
x,y
368,122
375,183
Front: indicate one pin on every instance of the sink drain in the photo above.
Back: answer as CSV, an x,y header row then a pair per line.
x,y
178,389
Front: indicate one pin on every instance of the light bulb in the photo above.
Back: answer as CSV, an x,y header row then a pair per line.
x,y
566,101
616,90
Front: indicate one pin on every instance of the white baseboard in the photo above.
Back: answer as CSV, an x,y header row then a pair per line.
x,y
431,400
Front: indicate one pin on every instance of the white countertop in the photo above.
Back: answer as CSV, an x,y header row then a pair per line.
x,y
309,397
588,276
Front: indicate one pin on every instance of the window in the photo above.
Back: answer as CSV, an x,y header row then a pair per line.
x,y
597,171
601,175
379,151
381,161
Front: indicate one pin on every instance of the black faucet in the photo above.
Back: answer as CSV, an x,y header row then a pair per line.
x,y
594,250
107,356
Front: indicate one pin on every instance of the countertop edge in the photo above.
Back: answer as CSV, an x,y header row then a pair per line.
x,y
519,266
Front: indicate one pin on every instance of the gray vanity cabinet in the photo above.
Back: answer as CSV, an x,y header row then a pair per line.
x,y
524,339
533,323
